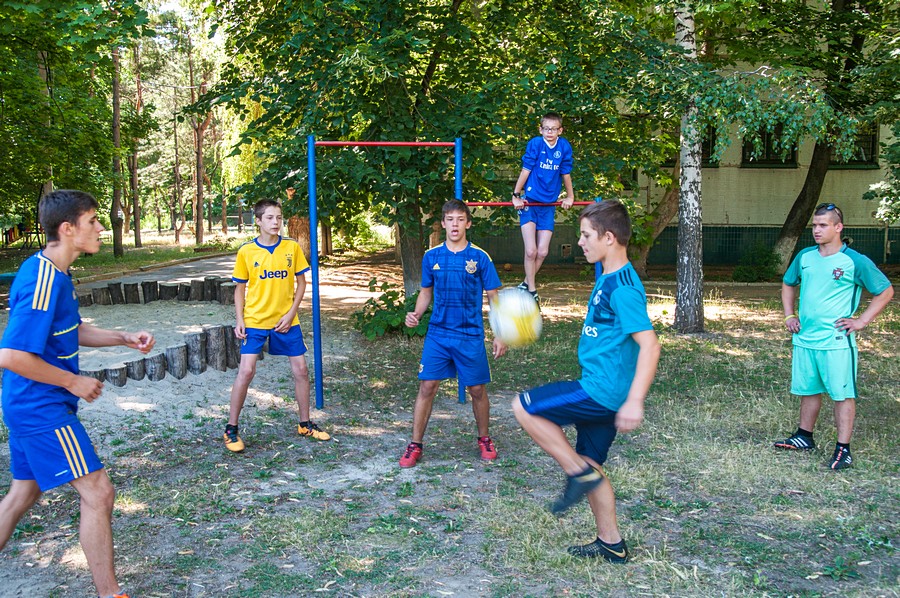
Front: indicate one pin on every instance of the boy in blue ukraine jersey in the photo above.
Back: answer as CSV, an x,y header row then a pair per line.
x,y
618,353
831,277
456,274
546,167
270,273
48,446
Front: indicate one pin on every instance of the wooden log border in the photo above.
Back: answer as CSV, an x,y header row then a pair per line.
x,y
215,348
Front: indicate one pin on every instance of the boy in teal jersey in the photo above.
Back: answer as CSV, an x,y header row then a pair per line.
x,y
48,446
618,353
831,277
270,273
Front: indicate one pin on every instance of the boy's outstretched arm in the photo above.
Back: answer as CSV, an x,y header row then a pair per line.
x,y
91,336
631,413
422,303
570,192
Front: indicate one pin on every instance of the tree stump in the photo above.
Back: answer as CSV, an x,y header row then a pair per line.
x,y
156,367
197,290
219,284
150,290
176,361
101,296
168,291
85,299
232,348
115,293
211,288
184,291
136,368
196,352
226,293
132,292
116,375
98,374
216,348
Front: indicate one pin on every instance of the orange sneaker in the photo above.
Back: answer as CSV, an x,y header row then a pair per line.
x,y
488,451
412,455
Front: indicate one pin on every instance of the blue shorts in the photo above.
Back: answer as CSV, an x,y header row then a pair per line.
x,y
542,216
446,356
833,371
54,457
567,404
288,343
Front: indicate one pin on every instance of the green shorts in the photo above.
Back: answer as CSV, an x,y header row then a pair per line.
x,y
815,371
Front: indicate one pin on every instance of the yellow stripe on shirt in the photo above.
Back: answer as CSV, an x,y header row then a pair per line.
x,y
44,286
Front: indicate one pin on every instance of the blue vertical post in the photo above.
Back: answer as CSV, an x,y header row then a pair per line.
x,y
457,189
314,262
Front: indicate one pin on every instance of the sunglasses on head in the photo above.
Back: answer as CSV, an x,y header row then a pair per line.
x,y
827,206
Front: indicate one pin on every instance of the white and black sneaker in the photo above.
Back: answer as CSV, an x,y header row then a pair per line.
x,y
797,442
841,458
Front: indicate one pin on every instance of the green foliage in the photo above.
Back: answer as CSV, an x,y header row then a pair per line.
x,y
887,192
359,232
842,570
387,313
757,264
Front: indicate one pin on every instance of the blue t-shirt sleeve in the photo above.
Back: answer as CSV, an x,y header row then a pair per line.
x,y
427,275
31,316
565,166
867,274
529,160
489,278
630,305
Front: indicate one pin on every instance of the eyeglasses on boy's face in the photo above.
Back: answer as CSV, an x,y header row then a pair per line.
x,y
550,129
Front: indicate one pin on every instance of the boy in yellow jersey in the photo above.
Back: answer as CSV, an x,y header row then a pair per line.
x,y
270,273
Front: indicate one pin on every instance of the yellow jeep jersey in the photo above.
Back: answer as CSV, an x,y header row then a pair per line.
x,y
270,273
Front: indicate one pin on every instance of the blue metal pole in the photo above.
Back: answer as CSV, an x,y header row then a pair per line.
x,y
457,154
314,263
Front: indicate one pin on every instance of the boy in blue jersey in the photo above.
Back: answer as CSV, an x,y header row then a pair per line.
x,y
831,277
270,273
48,446
618,353
455,274
546,167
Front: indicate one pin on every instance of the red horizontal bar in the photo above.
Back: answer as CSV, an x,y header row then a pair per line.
x,y
509,203
387,143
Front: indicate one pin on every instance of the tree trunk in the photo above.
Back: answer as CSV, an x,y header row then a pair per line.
x,y
114,217
199,129
224,211
47,187
689,285
661,216
411,242
138,107
327,242
298,229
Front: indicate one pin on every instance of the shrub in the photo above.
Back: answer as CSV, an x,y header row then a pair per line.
x,y
757,264
387,313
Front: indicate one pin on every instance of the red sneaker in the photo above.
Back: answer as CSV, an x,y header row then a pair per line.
x,y
412,455
488,452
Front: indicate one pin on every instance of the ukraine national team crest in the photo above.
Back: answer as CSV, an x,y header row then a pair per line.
x,y
471,266
837,273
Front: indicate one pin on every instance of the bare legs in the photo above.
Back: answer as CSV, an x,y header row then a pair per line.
x,y
246,372
844,415
537,247
552,439
95,530
481,407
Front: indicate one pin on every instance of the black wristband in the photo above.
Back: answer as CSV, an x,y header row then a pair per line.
x,y
517,194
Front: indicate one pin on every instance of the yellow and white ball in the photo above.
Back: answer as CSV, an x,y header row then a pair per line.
x,y
515,318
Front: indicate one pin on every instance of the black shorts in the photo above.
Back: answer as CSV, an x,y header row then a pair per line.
x,y
567,404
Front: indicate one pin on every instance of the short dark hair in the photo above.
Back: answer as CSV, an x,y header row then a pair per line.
x,y
552,116
63,205
456,205
830,208
259,208
609,215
